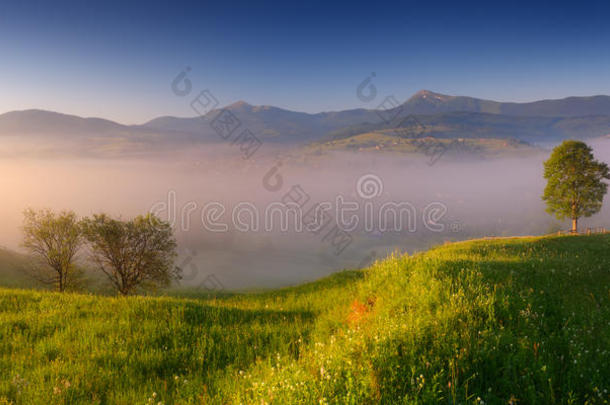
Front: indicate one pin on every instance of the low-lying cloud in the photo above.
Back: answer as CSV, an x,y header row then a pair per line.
x,y
447,201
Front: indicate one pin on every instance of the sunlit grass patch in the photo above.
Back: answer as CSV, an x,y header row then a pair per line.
x,y
525,320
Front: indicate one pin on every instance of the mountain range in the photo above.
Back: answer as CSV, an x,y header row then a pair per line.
x,y
441,116
426,102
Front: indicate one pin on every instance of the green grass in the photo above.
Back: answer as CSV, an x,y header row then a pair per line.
x,y
521,320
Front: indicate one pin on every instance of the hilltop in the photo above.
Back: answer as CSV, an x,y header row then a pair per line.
x,y
465,134
514,320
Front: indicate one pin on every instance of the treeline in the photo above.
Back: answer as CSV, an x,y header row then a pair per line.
x,y
135,254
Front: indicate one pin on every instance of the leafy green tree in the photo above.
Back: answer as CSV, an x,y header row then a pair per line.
x,y
56,240
575,186
133,254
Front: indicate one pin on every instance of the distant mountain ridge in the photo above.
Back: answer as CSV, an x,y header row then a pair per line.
x,y
276,124
444,115
268,122
427,102
45,122
458,124
54,134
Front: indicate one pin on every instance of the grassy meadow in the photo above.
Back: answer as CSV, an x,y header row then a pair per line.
x,y
500,321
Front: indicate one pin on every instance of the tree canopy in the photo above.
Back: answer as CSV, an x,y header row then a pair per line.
x,y
55,239
575,186
134,253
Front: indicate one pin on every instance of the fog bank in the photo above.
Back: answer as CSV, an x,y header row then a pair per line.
x,y
451,200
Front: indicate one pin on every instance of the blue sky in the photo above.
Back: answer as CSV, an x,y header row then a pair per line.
x,y
117,59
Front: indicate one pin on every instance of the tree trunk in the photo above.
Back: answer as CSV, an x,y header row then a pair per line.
x,y
574,225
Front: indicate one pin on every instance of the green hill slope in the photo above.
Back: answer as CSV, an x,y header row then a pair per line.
x,y
454,125
522,320
427,146
13,268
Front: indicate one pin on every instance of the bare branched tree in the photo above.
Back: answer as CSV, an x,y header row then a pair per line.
x,y
55,239
133,254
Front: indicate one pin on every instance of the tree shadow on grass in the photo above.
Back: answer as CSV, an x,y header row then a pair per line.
x,y
205,340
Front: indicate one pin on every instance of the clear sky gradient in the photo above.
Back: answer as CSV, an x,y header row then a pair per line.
x,y
117,59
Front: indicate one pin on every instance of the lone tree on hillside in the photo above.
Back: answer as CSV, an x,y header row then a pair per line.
x,y
138,253
55,239
575,185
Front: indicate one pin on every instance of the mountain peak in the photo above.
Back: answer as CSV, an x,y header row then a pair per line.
x,y
430,95
241,104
